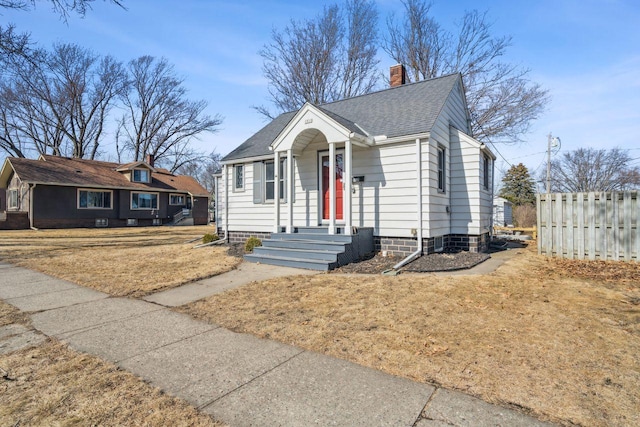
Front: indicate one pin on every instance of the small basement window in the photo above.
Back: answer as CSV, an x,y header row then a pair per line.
x,y
438,244
102,222
132,221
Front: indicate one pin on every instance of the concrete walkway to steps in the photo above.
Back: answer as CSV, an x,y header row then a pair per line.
x,y
246,272
237,378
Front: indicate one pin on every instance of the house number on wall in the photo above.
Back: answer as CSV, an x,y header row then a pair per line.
x,y
307,121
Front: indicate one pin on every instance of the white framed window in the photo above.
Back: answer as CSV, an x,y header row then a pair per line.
x,y
94,199
12,199
238,178
269,180
177,199
141,175
486,163
144,201
441,169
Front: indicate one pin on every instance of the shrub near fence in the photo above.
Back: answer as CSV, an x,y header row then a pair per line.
x,y
602,226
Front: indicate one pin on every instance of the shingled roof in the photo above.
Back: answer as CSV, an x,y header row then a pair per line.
x,y
55,170
403,110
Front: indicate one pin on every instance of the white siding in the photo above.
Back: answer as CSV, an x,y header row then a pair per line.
x,y
244,215
471,203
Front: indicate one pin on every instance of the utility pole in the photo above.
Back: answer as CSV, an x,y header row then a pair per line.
x,y
551,142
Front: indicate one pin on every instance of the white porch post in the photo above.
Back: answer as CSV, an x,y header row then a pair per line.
x,y
332,188
290,187
348,183
276,191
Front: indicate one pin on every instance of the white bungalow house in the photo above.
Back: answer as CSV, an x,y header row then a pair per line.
x,y
394,170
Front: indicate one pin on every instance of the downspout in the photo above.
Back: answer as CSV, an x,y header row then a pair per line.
x,y
418,252
493,169
226,202
31,206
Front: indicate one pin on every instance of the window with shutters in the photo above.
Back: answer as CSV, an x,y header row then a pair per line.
x,y
264,181
269,181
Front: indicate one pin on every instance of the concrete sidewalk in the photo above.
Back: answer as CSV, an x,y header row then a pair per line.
x,y
237,378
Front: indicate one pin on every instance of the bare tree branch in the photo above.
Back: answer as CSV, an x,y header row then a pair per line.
x,y
159,119
59,101
311,61
502,100
588,169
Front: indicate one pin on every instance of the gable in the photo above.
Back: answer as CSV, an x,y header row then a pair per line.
x,y
307,124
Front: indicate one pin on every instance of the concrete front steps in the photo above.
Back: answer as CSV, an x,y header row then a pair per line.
x,y
313,248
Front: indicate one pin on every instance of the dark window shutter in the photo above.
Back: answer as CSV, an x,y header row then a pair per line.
x,y
258,184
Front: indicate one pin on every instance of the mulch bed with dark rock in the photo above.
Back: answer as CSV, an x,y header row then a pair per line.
x,y
425,264
235,249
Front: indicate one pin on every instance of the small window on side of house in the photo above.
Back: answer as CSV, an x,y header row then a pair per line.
x,y
486,164
238,177
12,199
441,169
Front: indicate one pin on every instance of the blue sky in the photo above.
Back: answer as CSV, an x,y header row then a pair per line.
x,y
586,53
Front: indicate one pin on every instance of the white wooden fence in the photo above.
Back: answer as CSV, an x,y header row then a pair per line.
x,y
603,226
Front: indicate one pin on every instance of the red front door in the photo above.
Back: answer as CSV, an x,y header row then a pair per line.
x,y
325,187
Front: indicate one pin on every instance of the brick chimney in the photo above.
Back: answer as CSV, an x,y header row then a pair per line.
x,y
150,160
397,75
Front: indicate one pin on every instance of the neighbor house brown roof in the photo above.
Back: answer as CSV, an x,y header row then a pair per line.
x,y
55,170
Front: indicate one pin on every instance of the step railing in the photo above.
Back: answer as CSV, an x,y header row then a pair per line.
x,y
180,215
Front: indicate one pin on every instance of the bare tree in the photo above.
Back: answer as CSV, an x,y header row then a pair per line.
x,y
312,61
502,100
589,169
359,64
59,101
203,170
159,120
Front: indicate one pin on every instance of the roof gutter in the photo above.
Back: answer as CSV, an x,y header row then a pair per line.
x,y
418,252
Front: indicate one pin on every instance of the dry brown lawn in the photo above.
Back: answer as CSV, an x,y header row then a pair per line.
x,y
122,261
53,385
558,339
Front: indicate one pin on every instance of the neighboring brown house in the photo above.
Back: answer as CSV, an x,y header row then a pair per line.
x,y
62,192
